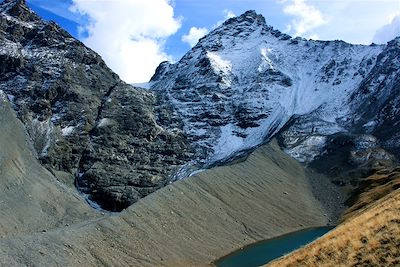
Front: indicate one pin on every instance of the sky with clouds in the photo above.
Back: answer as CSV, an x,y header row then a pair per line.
x,y
134,36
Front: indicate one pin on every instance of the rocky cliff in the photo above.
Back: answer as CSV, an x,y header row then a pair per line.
x,y
246,82
81,118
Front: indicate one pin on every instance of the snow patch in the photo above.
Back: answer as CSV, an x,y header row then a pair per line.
x,y
11,98
219,63
104,122
369,126
41,133
197,172
67,130
307,150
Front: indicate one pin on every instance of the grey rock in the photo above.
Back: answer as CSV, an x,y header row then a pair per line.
x,y
81,117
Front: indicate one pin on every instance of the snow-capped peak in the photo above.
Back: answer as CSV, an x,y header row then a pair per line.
x,y
244,81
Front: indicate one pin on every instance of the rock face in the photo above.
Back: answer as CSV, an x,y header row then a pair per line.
x,y
377,102
246,82
81,117
242,84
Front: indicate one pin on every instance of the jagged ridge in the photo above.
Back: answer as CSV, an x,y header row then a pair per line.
x,y
81,117
245,82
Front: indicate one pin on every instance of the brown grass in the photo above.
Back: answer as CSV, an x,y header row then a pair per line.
x,y
370,237
373,188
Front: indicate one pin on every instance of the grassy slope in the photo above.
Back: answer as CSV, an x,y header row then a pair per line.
x,y
189,223
372,188
369,237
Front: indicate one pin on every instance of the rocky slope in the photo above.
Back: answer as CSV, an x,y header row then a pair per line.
x,y
82,119
191,222
31,198
245,82
377,101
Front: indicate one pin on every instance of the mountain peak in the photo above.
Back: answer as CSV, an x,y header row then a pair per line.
x,y
18,9
244,25
249,16
245,80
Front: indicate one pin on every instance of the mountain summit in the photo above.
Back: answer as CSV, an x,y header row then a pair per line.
x,y
246,82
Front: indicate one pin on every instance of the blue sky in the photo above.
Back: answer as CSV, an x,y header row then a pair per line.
x,y
134,36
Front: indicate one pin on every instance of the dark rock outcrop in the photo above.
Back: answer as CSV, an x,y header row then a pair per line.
x,y
81,117
377,102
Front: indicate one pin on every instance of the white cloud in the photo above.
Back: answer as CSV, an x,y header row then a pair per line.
x,y
354,21
227,15
306,16
194,35
129,34
388,31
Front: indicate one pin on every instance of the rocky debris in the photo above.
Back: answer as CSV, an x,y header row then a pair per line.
x,y
189,223
81,117
348,158
32,200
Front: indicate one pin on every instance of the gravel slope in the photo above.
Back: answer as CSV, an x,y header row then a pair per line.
x,y
31,198
190,223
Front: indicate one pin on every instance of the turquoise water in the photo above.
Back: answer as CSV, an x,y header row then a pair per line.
x,y
265,251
